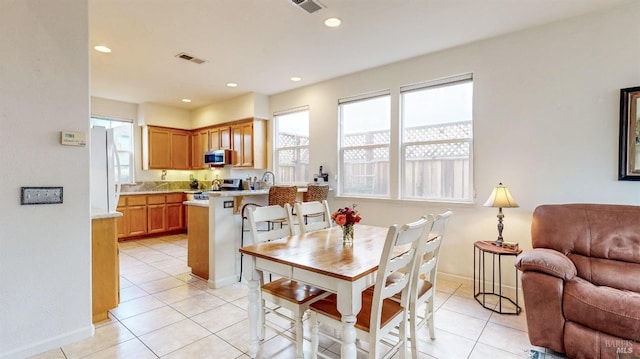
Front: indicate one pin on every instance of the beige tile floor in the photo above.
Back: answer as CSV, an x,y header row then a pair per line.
x,y
164,312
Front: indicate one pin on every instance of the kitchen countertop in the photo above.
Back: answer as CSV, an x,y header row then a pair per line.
x,y
243,193
158,192
98,213
197,203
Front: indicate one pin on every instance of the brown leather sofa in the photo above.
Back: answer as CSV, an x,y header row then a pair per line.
x,y
581,280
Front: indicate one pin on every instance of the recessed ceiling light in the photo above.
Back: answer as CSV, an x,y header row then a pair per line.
x,y
186,100
332,22
232,84
296,79
102,48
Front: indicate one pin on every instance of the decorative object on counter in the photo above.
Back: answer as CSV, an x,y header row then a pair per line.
x,y
215,185
501,198
194,183
321,176
346,217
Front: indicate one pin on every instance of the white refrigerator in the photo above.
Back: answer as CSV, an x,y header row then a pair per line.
x,y
105,171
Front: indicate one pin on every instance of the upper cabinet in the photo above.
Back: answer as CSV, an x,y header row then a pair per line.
x,y
199,145
220,138
168,148
249,143
175,149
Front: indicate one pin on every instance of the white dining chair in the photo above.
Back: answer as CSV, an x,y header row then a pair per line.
x,y
379,315
284,293
423,281
319,212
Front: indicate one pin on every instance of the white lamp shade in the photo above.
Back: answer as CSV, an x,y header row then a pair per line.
x,y
500,197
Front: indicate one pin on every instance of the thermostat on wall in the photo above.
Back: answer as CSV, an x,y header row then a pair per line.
x,y
73,138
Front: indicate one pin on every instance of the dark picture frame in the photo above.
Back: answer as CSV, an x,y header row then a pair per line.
x,y
629,141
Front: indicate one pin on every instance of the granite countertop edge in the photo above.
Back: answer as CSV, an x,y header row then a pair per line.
x,y
102,214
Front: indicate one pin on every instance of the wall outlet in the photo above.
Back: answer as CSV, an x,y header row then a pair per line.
x,y
40,195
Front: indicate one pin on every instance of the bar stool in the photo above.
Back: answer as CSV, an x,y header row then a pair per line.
x,y
315,193
278,195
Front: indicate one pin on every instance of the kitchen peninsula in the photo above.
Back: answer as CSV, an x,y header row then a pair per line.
x,y
214,233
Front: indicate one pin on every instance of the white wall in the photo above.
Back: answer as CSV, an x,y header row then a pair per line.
x,y
545,123
112,109
244,106
161,115
45,254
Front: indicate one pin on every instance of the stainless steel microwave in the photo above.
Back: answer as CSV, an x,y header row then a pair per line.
x,y
218,157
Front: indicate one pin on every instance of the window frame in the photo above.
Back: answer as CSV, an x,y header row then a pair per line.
x,y
397,146
342,148
296,148
404,143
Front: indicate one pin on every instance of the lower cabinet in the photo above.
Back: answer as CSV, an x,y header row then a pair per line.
x,y
198,241
105,267
150,214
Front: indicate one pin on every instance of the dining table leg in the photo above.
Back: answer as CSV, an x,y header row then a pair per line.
x,y
254,313
349,305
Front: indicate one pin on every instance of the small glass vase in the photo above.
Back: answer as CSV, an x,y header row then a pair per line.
x,y
347,234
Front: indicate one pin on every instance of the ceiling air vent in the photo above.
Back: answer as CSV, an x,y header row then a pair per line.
x,y
309,6
190,58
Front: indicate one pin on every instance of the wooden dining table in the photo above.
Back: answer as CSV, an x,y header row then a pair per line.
x,y
322,260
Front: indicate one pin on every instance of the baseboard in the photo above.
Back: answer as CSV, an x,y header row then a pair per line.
x,y
222,282
48,344
507,290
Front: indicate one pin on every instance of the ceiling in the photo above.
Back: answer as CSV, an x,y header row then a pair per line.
x,y
261,44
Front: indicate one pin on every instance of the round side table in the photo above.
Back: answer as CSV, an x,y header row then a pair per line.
x,y
480,290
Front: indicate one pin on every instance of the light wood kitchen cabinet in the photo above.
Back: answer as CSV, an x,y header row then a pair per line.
x,y
168,148
220,138
137,220
249,141
151,214
199,145
134,216
225,137
175,212
156,214
198,241
105,267
214,139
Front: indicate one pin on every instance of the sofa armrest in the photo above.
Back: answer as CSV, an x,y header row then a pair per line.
x,y
547,261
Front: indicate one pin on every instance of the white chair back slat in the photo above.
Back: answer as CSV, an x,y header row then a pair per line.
x,y
321,216
268,214
426,268
399,267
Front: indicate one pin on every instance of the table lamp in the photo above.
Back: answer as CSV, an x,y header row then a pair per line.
x,y
501,198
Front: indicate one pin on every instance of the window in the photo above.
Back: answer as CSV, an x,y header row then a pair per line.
x,y
123,138
292,146
364,145
422,153
436,140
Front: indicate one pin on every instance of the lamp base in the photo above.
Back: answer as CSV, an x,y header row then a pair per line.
x,y
498,242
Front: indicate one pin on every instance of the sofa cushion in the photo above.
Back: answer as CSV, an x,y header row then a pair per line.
x,y
592,230
609,310
607,272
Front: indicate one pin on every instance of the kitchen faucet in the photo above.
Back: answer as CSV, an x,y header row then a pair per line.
x,y
273,177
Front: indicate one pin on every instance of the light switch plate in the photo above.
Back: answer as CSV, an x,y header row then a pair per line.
x,y
40,195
